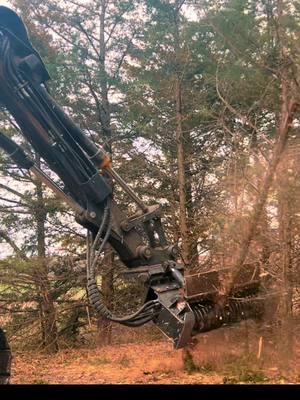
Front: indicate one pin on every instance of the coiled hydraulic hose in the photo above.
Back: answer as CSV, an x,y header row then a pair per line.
x,y
144,314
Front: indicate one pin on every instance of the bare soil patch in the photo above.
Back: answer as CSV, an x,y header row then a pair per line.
x,y
219,357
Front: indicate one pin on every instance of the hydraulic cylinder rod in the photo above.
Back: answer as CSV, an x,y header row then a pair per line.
x,y
16,153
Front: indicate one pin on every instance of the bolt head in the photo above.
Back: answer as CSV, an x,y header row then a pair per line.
x,y
125,226
147,252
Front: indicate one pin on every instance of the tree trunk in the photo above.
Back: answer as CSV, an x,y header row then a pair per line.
x,y
181,156
285,237
47,307
104,326
288,108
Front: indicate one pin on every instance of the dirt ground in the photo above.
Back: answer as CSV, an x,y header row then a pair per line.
x,y
218,358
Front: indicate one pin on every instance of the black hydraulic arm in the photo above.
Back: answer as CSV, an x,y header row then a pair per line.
x,y
64,147
5,359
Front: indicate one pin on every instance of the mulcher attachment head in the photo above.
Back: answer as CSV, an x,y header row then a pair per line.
x,y
191,310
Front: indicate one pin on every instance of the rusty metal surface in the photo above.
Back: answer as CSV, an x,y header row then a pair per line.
x,y
207,284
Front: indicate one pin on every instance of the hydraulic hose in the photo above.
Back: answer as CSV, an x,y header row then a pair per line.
x,y
143,315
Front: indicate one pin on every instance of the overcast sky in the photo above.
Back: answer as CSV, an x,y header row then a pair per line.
x,y
4,3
